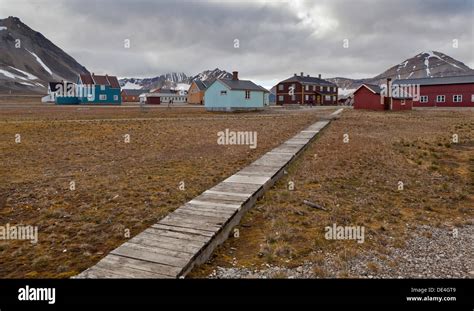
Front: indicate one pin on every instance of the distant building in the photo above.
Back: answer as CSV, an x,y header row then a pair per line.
x,y
92,89
306,90
132,95
196,91
55,89
456,91
369,96
163,98
234,94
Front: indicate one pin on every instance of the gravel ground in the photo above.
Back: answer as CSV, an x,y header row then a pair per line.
x,y
430,253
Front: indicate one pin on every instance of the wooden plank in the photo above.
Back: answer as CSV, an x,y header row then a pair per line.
x,y
156,268
125,270
240,195
214,209
194,239
190,212
221,198
168,244
198,221
216,204
176,223
247,179
99,273
249,189
173,228
149,254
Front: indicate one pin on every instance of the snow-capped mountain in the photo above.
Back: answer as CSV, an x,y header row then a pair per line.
x,y
172,80
28,60
427,64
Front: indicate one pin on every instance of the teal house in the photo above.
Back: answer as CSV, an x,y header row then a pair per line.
x,y
91,89
235,95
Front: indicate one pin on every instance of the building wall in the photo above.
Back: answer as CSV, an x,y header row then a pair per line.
x,y
466,90
365,99
397,104
195,96
300,92
130,98
153,100
235,99
112,96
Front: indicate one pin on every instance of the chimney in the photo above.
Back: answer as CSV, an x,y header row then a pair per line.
x,y
235,75
302,74
319,76
389,87
295,74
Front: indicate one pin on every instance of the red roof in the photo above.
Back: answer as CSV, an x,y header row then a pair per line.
x,y
86,78
100,80
89,79
113,81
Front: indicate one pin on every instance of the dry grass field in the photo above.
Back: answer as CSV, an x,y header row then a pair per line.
x,y
357,182
119,186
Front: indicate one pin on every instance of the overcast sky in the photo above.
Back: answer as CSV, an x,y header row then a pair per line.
x,y
276,38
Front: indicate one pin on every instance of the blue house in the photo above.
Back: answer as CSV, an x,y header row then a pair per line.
x,y
234,94
92,89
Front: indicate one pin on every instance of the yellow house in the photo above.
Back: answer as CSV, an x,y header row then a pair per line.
x,y
196,91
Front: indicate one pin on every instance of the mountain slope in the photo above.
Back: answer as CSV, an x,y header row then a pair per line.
x,y
172,80
427,64
28,60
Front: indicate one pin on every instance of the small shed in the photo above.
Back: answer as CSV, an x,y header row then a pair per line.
x,y
369,96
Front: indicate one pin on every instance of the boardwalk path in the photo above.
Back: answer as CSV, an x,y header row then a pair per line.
x,y
188,236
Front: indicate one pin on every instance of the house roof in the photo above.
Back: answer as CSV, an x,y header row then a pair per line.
x,y
134,92
438,80
244,85
201,85
309,80
377,90
88,78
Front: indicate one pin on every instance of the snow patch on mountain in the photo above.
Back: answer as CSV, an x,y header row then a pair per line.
x,y
3,28
131,86
41,63
27,74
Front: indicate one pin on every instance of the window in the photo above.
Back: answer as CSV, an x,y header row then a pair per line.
x,y
116,97
306,97
314,88
280,98
102,97
457,98
402,102
327,98
306,87
223,92
247,94
423,99
293,97
440,99
472,98
102,87
281,87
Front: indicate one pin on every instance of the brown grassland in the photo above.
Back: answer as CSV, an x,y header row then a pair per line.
x,y
357,182
118,186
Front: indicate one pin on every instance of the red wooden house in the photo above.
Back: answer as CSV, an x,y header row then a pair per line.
x,y
457,91
369,96
306,90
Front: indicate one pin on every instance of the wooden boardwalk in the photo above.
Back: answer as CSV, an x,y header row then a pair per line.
x,y
188,236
